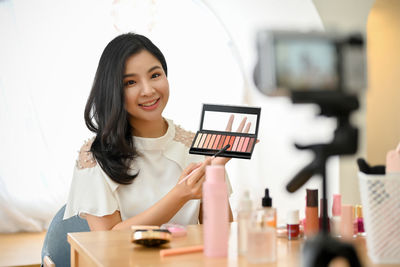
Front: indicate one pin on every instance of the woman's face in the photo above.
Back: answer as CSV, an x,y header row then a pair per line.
x,y
146,89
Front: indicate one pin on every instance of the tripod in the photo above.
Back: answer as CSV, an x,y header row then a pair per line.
x,y
323,248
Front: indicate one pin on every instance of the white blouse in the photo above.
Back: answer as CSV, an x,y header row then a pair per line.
x,y
160,163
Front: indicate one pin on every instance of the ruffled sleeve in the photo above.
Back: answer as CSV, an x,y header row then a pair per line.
x,y
91,192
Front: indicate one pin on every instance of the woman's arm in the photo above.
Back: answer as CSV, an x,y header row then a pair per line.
x,y
158,214
163,210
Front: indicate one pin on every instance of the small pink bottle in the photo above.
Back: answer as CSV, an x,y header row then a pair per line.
x,y
215,212
347,225
336,214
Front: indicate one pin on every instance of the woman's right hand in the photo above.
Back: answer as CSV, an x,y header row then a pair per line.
x,y
190,184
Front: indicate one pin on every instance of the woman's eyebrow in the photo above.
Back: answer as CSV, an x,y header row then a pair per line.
x,y
153,68
129,75
134,74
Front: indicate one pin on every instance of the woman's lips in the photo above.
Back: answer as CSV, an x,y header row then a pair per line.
x,y
150,105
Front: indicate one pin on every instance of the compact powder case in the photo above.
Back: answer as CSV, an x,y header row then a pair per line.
x,y
151,237
213,134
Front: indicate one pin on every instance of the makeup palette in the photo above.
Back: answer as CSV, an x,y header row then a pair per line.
x,y
221,125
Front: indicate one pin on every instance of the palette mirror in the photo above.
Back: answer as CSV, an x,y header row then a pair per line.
x,y
218,121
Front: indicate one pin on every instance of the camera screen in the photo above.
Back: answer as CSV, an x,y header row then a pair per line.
x,y
306,64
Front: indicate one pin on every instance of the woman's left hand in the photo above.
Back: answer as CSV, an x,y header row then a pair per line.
x,y
240,129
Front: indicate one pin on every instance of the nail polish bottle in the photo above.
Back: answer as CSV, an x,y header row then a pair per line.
x,y
359,220
293,225
244,213
261,237
312,222
336,214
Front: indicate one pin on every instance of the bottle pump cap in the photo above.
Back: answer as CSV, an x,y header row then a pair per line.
x,y
266,200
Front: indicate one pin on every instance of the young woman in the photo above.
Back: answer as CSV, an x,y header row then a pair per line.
x,y
129,173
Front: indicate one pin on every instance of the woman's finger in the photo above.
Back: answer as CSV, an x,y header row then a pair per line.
x,y
188,171
200,171
247,129
196,175
230,122
191,167
241,125
199,185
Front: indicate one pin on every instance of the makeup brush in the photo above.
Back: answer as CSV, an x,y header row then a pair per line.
x,y
222,150
214,156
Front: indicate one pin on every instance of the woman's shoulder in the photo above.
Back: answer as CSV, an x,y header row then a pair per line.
x,y
183,136
85,158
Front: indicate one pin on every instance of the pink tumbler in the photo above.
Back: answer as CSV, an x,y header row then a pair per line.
x,y
215,212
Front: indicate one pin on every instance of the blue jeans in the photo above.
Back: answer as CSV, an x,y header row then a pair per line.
x,y
55,243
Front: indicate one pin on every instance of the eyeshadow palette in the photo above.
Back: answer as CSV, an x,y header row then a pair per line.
x,y
236,126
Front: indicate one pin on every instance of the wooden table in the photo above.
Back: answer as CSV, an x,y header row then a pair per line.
x,y
21,249
114,248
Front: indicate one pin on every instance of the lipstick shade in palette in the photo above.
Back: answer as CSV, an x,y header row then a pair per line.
x,y
214,134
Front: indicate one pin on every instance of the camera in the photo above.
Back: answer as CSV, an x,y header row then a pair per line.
x,y
291,61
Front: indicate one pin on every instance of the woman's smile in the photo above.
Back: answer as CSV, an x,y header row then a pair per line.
x,y
150,105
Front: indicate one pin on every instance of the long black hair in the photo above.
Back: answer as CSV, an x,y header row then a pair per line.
x,y
105,114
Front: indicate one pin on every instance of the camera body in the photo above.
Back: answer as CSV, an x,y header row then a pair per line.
x,y
291,61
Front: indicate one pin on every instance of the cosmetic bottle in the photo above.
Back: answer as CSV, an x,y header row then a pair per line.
x,y
266,204
393,160
312,222
233,249
303,221
359,220
321,215
293,225
336,214
347,222
215,212
244,213
261,237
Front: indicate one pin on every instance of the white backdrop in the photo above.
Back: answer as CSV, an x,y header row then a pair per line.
x,y
49,52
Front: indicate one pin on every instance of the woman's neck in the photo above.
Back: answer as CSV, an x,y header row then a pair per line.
x,y
150,129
